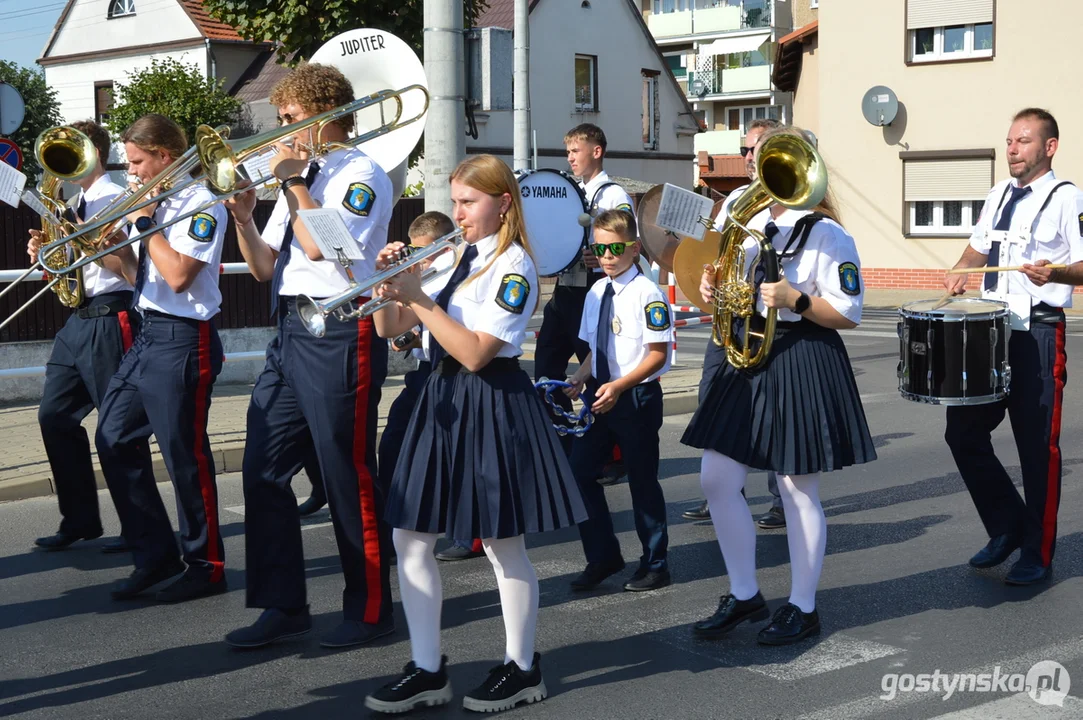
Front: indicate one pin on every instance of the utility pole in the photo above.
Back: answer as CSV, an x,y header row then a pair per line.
x,y
445,126
521,87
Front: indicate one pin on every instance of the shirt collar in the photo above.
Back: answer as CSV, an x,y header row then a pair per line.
x,y
599,179
788,218
97,188
1038,183
486,246
624,279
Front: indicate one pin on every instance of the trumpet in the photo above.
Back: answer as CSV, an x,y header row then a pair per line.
x,y
314,313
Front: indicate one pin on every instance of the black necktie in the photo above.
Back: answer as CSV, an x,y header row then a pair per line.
x,y
287,242
1004,223
770,231
462,270
81,210
605,320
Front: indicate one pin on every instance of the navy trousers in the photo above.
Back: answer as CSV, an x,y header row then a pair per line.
x,y
163,386
86,354
398,417
633,424
1038,362
325,391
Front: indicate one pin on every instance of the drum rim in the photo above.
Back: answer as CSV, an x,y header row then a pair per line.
x,y
1002,311
523,174
948,400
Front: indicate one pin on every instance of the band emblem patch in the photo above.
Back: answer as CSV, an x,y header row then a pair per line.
x,y
657,315
513,292
202,227
625,207
359,199
849,279
1081,223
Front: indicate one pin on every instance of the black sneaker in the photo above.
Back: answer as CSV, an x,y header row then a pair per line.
x,y
272,625
143,579
354,632
416,688
595,573
506,687
789,625
194,583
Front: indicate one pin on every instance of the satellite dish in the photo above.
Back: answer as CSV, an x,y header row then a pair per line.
x,y
699,87
880,106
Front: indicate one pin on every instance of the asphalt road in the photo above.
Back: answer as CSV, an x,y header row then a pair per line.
x,y
897,600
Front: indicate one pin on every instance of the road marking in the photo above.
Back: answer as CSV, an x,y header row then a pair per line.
x,y
1018,707
838,651
319,519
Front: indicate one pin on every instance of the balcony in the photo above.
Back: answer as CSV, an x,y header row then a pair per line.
x,y
731,81
678,18
718,142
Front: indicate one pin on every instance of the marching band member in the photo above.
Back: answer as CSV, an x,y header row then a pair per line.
x,y
626,323
799,415
325,390
86,354
164,383
1034,221
481,457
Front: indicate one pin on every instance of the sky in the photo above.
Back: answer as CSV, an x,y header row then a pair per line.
x,y
26,26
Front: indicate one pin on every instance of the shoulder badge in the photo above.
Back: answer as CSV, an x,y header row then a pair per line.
x,y
359,199
625,207
1081,223
513,292
202,227
657,315
850,279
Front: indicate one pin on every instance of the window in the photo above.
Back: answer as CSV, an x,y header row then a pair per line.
x,y
651,114
119,8
944,217
944,191
586,83
668,6
739,118
951,42
813,4
103,100
677,66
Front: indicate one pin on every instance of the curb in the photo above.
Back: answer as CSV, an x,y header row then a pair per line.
x,y
228,457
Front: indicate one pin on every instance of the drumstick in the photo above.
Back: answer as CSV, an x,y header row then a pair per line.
x,y
943,300
964,271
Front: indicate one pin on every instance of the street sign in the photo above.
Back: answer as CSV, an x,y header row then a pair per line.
x,y
12,109
11,154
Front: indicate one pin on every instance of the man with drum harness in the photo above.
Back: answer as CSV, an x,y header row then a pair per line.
x,y
1031,221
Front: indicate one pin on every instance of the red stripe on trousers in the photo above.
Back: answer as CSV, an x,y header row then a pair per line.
x,y
125,329
1052,483
203,468
370,534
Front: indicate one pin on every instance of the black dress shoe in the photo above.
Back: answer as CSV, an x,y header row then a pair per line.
x,y
789,625
645,580
355,632
773,519
458,552
997,551
700,512
63,540
731,613
272,625
415,688
594,574
115,546
1028,572
143,579
612,473
312,505
194,583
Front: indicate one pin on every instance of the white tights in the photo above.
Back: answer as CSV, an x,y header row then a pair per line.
x,y
722,479
422,595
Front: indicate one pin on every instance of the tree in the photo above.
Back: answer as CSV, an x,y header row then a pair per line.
x,y
180,92
42,111
302,26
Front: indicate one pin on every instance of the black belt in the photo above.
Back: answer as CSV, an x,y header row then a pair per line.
x,y
1047,314
114,307
450,366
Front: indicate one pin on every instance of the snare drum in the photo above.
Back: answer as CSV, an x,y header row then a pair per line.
x,y
557,223
956,354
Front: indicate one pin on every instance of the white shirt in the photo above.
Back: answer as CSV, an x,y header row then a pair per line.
x,y
599,199
499,302
1054,236
360,190
640,316
758,222
96,279
828,266
199,237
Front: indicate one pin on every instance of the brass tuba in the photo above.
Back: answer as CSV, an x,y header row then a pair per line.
x,y
789,172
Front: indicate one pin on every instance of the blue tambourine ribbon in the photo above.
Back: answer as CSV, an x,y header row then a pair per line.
x,y
580,422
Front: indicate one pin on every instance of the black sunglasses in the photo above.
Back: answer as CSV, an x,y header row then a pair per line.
x,y
746,150
617,248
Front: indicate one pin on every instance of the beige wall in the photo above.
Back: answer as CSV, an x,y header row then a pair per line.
x,y
804,13
806,99
944,107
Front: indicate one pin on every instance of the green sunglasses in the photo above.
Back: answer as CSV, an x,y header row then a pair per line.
x,y
616,248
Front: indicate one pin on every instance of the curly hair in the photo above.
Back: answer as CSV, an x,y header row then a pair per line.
x,y
316,88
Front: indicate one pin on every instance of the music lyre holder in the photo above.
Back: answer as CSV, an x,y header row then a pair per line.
x,y
580,422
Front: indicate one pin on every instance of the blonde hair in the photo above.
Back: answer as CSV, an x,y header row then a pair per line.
x,y
828,206
490,175
434,224
619,222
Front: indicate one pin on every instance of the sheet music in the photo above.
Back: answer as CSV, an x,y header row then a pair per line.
x,y
330,233
12,183
259,166
35,204
684,212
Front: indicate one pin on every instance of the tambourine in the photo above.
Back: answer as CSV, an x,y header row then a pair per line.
x,y
580,422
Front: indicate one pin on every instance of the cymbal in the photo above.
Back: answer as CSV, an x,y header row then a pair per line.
x,y
688,261
659,244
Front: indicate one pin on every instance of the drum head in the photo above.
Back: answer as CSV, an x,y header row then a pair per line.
x,y
960,308
660,245
557,223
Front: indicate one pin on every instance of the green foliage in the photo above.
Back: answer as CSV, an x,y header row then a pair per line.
x,y
180,92
414,190
42,111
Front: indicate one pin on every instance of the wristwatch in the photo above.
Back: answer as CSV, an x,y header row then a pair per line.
x,y
142,224
802,304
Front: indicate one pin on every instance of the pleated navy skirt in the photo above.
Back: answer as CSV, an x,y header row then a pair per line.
x,y
799,414
481,459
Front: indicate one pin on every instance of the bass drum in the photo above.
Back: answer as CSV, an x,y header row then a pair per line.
x,y
557,222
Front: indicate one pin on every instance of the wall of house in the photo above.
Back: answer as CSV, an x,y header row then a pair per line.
x,y
804,13
947,106
806,99
88,27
